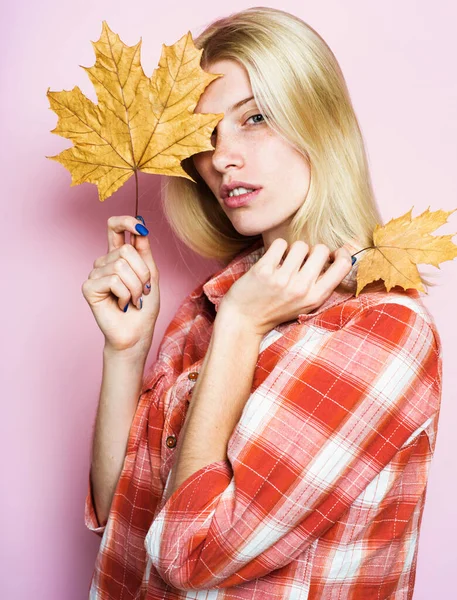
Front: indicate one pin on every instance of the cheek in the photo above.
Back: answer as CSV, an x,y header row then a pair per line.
x,y
296,168
279,157
203,166
201,161
197,164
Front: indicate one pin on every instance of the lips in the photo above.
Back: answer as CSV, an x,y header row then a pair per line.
x,y
228,187
241,200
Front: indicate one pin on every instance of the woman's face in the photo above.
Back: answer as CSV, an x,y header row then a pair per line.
x,y
248,150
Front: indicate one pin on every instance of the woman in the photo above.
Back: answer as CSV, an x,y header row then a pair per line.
x,y
282,439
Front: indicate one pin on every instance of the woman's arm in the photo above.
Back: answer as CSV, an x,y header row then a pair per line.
x,y
120,389
225,380
222,389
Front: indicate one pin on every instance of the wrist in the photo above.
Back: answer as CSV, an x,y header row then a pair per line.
x,y
134,355
228,319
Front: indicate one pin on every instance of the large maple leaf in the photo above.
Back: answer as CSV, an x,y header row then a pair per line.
x,y
140,123
400,245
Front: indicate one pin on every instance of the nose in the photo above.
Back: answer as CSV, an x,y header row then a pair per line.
x,y
227,153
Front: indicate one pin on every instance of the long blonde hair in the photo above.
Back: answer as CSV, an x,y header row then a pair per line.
x,y
296,80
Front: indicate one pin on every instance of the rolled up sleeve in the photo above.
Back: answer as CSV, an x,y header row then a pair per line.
x,y
90,515
326,421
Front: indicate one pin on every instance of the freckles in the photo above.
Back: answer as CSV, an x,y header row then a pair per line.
x,y
268,146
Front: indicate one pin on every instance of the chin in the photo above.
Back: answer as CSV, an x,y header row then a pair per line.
x,y
243,229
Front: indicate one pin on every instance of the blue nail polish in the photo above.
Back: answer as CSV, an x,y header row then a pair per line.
x,y
141,229
353,259
140,218
126,306
148,286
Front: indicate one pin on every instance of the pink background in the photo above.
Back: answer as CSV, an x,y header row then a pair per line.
x,y
399,62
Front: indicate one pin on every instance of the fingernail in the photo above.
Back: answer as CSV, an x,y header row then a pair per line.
x,y
126,306
353,259
139,304
140,219
147,288
141,229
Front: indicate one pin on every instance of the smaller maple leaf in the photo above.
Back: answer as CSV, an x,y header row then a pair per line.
x,y
400,245
140,123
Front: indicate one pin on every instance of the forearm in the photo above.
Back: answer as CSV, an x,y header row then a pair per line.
x,y
120,389
218,398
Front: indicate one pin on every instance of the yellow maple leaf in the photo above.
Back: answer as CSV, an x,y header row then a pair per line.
x,y
400,245
140,123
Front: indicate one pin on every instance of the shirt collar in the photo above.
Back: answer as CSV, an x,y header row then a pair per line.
x,y
220,282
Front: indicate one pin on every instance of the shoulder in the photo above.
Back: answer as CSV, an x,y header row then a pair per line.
x,y
391,323
376,323
380,348
404,306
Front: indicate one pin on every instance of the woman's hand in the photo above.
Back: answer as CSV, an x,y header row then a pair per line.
x,y
271,293
118,280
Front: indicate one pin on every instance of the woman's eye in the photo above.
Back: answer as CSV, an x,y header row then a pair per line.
x,y
262,119
258,115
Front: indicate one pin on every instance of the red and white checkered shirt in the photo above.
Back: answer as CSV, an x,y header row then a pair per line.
x,y
323,489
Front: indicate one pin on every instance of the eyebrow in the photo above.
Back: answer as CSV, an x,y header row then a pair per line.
x,y
240,103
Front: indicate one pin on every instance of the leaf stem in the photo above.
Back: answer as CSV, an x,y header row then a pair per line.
x,y
367,248
136,193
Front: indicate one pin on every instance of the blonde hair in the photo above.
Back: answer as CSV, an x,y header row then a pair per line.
x,y
297,82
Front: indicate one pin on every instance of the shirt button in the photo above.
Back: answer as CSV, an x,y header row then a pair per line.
x,y
193,376
171,441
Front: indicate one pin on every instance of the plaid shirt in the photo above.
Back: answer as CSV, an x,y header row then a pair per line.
x,y
323,488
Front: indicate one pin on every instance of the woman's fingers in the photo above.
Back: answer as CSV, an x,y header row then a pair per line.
x,y
102,286
295,256
130,255
123,269
336,272
118,225
143,247
137,253
319,272
116,232
315,262
274,254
